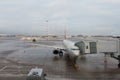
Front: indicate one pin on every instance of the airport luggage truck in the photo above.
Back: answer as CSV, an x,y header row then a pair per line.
x,y
36,74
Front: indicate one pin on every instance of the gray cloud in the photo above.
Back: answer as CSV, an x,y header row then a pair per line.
x,y
80,16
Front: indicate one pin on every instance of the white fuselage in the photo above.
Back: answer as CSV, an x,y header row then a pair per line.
x,y
71,49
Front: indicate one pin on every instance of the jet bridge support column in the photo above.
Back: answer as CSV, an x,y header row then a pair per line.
x,y
105,59
105,56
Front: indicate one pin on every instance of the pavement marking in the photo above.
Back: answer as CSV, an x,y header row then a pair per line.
x,y
3,68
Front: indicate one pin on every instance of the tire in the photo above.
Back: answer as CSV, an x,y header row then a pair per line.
x,y
119,65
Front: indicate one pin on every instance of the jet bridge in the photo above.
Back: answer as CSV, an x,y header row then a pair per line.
x,y
110,47
87,47
98,46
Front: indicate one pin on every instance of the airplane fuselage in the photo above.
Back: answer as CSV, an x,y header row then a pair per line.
x,y
71,49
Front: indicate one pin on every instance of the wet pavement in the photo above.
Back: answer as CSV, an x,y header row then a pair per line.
x,y
17,57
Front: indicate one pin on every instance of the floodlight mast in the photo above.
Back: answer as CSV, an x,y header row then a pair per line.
x,y
47,29
65,33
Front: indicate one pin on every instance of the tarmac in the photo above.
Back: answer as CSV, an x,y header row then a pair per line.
x,y
18,57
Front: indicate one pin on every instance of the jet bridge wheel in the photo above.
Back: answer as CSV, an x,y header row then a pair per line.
x,y
61,54
119,65
119,61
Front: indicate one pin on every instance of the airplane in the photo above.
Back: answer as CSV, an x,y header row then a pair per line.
x,y
72,51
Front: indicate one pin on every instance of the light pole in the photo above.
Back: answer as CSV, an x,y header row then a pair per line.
x,y
119,46
65,32
47,28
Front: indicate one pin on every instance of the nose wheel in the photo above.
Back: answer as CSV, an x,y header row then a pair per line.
x,y
76,66
75,63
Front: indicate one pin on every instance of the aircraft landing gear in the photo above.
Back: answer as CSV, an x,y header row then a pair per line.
x,y
75,63
76,66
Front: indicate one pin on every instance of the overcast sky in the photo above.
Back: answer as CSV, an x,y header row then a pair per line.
x,y
87,17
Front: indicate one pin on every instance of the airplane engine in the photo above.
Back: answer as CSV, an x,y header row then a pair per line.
x,y
58,52
61,54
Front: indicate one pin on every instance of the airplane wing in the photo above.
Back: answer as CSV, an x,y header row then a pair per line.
x,y
61,47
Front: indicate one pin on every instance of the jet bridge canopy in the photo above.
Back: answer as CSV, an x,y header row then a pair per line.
x,y
87,47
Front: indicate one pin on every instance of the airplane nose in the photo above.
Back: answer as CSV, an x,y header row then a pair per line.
x,y
77,53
